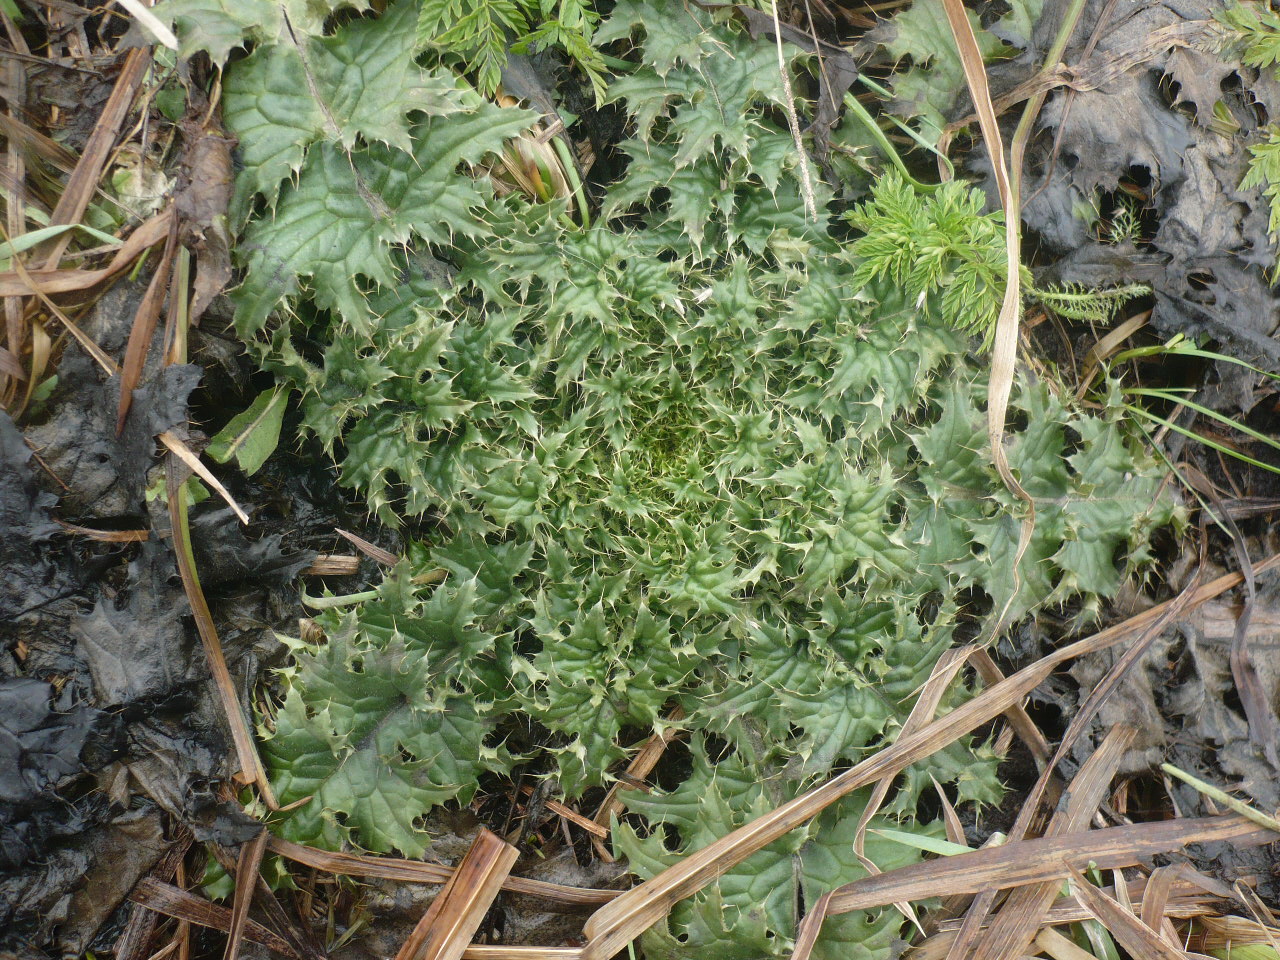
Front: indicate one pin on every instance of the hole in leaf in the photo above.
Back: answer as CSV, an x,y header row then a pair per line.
x,y
1201,282
895,512
1072,443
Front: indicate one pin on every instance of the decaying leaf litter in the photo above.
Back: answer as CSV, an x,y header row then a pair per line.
x,y
125,750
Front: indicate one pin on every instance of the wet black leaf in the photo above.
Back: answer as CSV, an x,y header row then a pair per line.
x,y
141,648
1112,130
1138,128
107,474
29,578
41,736
224,554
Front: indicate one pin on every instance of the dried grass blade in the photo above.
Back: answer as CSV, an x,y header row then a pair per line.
x,y
20,283
1058,947
15,80
971,927
105,536
178,447
9,364
1105,347
950,819
1264,919
390,868
1135,936
1017,716
370,550
332,565
1042,859
456,913
144,326
568,813
84,179
1014,927
1230,936
1183,602
922,712
299,937
30,286
41,353
27,137
810,927
1004,344
246,751
1261,912
178,903
485,952
247,866
141,925
1067,910
1156,901
1186,903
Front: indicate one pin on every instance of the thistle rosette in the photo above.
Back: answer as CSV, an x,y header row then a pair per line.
x,y
707,452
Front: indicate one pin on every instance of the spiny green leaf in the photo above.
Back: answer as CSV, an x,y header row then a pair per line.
x,y
674,35
361,84
220,26
336,227
930,84
367,732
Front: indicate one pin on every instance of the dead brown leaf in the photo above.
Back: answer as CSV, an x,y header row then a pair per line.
x,y
201,203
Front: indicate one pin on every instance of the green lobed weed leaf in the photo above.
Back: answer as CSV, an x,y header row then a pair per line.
x,y
252,436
